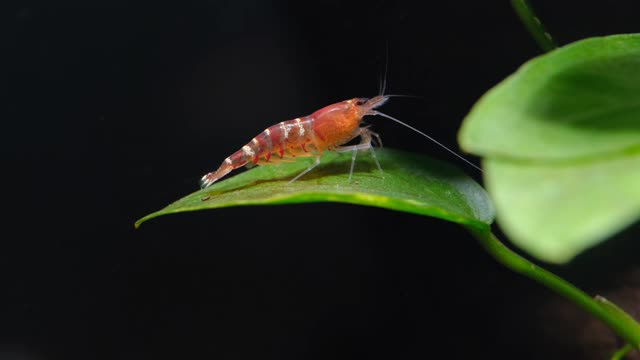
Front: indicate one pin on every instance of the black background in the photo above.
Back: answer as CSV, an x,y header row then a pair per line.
x,y
112,112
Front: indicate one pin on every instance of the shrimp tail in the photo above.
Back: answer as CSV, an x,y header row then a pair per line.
x,y
233,162
212,177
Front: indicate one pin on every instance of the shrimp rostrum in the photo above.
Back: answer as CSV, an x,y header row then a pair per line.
x,y
329,128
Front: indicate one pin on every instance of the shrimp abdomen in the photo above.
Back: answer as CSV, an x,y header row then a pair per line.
x,y
284,141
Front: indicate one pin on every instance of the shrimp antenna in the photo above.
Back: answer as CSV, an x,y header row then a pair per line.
x,y
375,112
383,81
404,96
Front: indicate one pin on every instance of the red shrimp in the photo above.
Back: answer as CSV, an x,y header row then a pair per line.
x,y
326,129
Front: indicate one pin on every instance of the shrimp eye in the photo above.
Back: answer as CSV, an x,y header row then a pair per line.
x,y
361,101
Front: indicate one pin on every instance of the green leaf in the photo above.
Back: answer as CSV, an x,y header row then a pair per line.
x,y
411,183
579,101
555,212
561,141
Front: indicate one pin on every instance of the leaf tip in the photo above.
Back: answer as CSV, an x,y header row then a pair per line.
x,y
139,222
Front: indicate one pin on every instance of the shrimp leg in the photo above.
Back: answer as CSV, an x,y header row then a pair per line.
x,y
316,163
365,144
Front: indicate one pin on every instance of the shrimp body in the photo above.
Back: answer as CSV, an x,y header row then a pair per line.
x,y
326,129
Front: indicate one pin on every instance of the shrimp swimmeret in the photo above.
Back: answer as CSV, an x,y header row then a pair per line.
x,y
326,129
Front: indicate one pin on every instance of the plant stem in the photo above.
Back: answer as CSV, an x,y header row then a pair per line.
x,y
614,317
618,355
533,24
